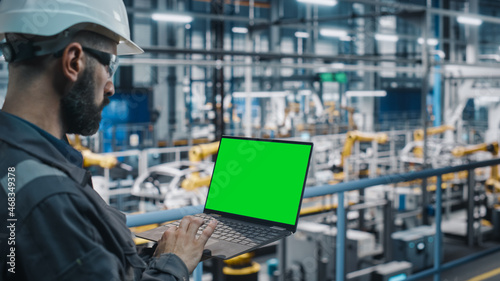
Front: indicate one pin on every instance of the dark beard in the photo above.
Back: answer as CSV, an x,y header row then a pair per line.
x,y
81,115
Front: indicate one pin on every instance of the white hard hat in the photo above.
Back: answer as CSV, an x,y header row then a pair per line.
x,y
51,17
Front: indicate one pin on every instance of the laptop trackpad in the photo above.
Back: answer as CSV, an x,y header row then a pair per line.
x,y
223,250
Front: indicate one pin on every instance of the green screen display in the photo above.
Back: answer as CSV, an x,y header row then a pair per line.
x,y
259,179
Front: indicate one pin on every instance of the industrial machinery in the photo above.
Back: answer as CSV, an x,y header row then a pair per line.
x,y
352,138
350,117
418,137
241,268
492,182
415,245
311,251
93,159
196,154
162,184
438,150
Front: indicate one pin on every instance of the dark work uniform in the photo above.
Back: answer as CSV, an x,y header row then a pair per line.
x,y
62,229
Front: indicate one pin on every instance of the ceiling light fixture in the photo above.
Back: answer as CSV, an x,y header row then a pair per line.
x,y
333,32
241,30
319,2
260,94
345,38
430,41
386,37
301,34
469,20
365,94
172,18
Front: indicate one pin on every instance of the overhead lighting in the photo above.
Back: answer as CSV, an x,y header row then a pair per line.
x,y
260,94
488,99
320,2
430,41
241,30
172,18
301,34
386,37
332,32
387,21
345,38
338,65
365,94
469,20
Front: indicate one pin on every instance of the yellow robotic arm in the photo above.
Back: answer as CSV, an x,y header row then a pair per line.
x,y
93,159
350,117
202,151
196,154
357,136
418,135
493,180
462,151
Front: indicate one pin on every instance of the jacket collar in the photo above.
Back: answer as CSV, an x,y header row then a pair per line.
x,y
21,135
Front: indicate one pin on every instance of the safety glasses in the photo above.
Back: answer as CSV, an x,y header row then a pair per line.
x,y
106,59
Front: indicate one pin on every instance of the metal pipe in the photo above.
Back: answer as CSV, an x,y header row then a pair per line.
x,y
316,66
173,214
162,216
248,76
341,234
279,55
415,8
388,228
423,105
437,236
147,13
394,178
409,7
470,208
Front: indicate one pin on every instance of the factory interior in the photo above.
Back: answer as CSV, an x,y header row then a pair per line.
x,y
401,99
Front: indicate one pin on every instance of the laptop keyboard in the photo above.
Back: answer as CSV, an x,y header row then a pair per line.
x,y
236,232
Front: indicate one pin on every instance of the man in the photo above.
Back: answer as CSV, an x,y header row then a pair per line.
x,y
62,56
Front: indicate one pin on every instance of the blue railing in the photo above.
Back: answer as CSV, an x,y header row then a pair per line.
x,y
168,215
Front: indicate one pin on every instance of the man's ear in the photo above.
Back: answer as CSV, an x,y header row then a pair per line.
x,y
72,61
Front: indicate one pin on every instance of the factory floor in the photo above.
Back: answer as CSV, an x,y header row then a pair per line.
x,y
486,268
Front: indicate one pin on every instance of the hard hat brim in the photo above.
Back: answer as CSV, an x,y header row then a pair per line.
x,y
128,47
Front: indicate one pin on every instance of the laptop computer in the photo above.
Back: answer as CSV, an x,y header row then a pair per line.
x,y
255,194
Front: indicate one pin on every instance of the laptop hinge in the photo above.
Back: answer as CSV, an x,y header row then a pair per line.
x,y
278,228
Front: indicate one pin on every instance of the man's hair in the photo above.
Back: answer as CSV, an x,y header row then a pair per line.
x,y
36,65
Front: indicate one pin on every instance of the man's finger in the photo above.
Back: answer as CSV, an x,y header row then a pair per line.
x,y
194,224
207,232
184,224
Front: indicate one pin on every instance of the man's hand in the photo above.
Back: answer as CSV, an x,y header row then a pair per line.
x,y
182,241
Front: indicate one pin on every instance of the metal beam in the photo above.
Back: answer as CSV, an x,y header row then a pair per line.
x,y
275,55
145,12
414,8
317,66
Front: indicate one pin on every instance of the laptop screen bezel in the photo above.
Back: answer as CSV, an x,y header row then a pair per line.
x,y
289,227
